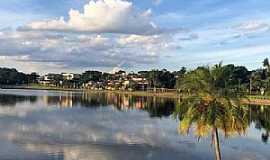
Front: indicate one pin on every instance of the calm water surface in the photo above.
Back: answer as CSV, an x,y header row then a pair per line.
x,y
50,125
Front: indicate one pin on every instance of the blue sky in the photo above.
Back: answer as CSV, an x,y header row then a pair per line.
x,y
75,35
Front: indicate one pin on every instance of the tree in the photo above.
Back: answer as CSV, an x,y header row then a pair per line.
x,y
266,64
55,78
160,78
258,80
229,76
33,77
91,76
106,76
12,77
211,104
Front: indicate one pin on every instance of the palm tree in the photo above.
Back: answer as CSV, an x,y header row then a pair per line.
x,y
211,105
210,117
266,64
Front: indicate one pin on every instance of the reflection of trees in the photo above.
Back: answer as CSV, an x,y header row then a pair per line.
x,y
159,107
225,114
12,100
156,107
261,117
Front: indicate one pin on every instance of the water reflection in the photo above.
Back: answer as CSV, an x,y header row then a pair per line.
x,y
209,117
12,100
156,107
73,125
260,115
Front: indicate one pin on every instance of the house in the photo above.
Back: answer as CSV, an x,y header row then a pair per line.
x,y
46,79
70,76
50,79
141,82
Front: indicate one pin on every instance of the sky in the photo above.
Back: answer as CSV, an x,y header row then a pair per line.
x,y
108,35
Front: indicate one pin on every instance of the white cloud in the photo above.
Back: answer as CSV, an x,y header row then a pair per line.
x,y
52,51
153,45
252,26
105,35
102,16
133,39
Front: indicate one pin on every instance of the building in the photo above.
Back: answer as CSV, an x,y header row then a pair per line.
x,y
70,76
49,79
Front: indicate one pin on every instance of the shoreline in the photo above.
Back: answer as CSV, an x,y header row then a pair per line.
x,y
256,99
135,93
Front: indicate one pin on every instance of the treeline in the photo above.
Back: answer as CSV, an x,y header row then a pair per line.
x,y
235,77
13,77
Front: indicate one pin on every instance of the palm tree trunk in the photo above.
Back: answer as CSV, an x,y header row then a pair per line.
x,y
216,143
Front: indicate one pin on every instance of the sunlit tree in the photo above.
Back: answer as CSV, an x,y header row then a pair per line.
x,y
211,105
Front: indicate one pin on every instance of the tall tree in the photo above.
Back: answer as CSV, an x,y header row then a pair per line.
x,y
211,105
266,64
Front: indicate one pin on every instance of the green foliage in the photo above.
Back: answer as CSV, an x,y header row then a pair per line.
x,y
160,78
228,76
211,104
218,81
91,76
206,115
12,77
225,78
33,77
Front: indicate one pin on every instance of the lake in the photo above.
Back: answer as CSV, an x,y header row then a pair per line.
x,y
55,125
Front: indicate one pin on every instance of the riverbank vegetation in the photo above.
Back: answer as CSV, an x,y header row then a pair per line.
x,y
230,77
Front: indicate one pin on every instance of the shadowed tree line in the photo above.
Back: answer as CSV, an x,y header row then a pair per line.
x,y
12,100
14,77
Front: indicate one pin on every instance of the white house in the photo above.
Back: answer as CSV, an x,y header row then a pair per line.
x,y
70,76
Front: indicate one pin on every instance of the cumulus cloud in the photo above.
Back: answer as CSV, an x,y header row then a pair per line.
x,y
65,51
153,45
102,16
107,34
